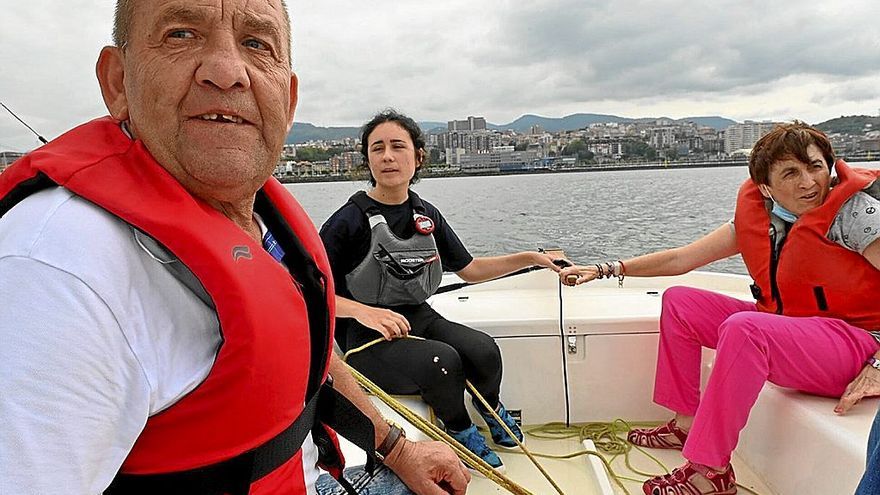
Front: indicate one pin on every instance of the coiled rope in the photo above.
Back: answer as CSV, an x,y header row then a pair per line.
x,y
609,438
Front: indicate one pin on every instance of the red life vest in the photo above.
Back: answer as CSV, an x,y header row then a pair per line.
x,y
814,276
275,349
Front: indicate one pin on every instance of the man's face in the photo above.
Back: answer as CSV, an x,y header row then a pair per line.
x,y
208,88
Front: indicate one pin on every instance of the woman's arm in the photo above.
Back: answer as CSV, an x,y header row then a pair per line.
x,y
488,268
719,244
390,324
872,253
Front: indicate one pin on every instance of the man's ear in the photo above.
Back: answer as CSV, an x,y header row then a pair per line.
x,y
110,70
765,190
294,91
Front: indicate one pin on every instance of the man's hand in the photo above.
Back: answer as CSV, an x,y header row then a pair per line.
x,y
866,384
428,468
390,324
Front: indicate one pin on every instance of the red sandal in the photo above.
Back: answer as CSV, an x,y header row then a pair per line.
x,y
668,436
693,479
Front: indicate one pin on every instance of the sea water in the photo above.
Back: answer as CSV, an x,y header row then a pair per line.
x,y
592,216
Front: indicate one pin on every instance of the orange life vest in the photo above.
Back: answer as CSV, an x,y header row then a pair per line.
x,y
809,275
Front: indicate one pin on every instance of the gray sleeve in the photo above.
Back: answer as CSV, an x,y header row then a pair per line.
x,y
857,224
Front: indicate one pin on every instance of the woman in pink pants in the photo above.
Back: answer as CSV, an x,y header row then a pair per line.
x,y
808,241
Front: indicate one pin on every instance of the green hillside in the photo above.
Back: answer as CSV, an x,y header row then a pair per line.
x,y
852,124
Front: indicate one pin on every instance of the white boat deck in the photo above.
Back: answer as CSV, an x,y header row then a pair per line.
x,y
588,354
574,476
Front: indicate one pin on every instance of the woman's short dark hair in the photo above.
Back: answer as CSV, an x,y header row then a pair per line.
x,y
408,124
787,141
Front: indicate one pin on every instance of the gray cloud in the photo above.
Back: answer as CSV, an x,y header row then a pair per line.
x,y
498,58
639,49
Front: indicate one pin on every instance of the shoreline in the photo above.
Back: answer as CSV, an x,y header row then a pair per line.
x,y
426,174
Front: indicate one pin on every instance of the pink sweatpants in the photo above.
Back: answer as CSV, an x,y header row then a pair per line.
x,y
816,355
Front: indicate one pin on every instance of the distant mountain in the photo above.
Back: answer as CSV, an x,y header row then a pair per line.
x,y
581,120
852,124
715,122
433,127
568,123
304,132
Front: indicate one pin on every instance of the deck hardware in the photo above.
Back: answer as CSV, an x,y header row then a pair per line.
x,y
572,344
653,293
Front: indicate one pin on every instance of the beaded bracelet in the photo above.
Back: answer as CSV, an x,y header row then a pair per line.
x,y
620,272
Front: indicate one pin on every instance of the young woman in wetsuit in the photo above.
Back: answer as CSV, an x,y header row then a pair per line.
x,y
388,249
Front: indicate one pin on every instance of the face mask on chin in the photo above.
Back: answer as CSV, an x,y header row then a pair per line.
x,y
779,210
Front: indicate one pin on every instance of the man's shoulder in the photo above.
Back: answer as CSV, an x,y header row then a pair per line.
x,y
55,225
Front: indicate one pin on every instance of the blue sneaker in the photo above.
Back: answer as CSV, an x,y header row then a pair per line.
x,y
473,441
499,436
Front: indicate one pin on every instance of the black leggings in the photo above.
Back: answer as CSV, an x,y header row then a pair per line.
x,y
435,368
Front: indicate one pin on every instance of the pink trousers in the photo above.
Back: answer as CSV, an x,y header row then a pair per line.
x,y
820,356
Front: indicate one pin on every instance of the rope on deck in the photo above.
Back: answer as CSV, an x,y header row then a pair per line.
x,y
435,433
478,396
610,441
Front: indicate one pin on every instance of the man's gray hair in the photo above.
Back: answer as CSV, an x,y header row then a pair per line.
x,y
125,10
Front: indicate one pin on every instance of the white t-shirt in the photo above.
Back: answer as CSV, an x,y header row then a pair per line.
x,y
95,337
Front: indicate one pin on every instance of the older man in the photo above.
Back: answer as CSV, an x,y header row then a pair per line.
x,y
166,305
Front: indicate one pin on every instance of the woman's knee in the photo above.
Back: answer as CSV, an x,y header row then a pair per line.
x,y
677,300
485,352
745,325
673,295
441,364
682,297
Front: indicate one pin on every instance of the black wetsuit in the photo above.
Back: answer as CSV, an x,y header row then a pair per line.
x,y
435,368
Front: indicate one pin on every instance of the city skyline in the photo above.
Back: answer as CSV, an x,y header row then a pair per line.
x,y
499,59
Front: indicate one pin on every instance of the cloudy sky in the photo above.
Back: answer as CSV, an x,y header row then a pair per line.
x,y
743,59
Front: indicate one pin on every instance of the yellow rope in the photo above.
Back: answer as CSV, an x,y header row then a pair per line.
x,y
609,438
485,404
510,433
436,433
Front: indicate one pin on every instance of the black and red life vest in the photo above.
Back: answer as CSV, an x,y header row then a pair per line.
x,y
809,275
276,324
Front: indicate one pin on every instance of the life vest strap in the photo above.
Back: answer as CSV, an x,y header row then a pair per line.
x,y
235,476
24,189
368,208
